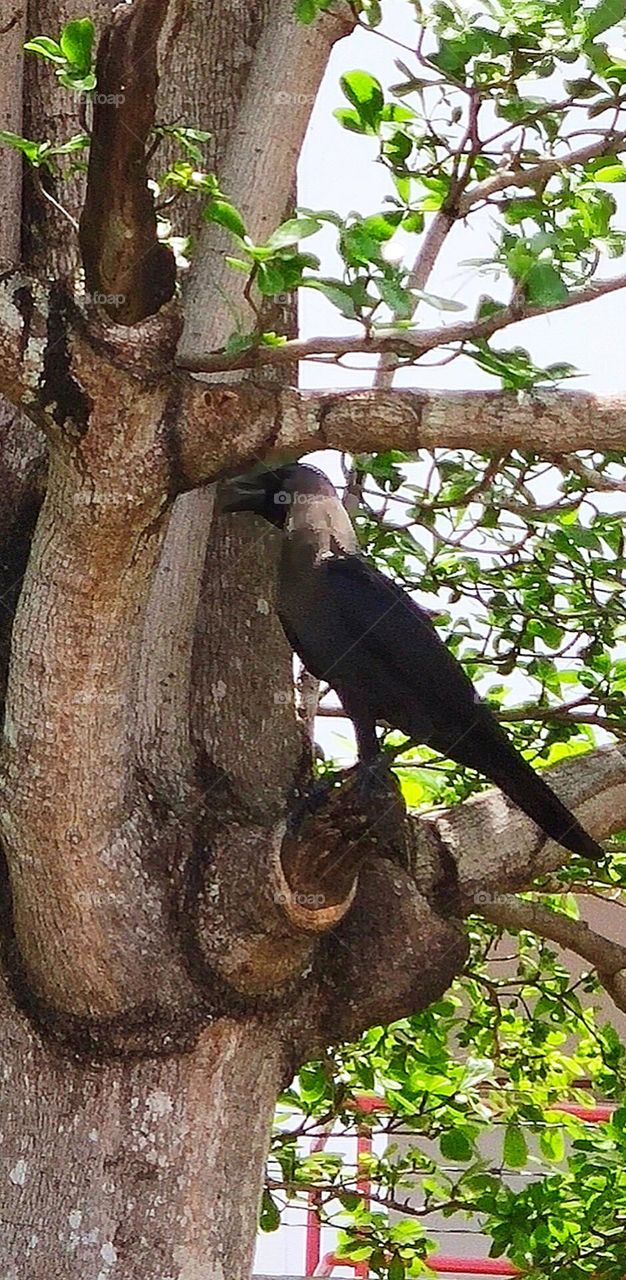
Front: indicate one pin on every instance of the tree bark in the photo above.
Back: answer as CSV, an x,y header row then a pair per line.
x,y
142,1169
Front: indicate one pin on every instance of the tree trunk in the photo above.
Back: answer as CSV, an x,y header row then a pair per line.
x,y
138,1169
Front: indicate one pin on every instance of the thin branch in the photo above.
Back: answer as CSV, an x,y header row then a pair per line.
x,y
539,173
608,957
47,195
419,276
594,479
411,344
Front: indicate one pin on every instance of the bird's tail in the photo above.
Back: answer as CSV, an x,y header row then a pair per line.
x,y
533,796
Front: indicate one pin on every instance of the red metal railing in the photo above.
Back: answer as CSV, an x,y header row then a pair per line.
x,y
441,1263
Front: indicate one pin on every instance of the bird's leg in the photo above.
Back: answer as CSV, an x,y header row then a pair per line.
x,y
374,779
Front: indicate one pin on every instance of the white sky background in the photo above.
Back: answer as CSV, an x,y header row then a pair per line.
x,y
337,171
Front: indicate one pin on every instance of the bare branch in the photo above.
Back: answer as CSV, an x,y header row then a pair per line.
x,y
411,344
126,268
518,913
549,422
593,478
12,39
431,247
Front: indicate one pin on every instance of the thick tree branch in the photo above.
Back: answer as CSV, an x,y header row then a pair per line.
x,y
259,173
127,271
496,848
12,37
222,428
89,923
550,422
518,913
259,169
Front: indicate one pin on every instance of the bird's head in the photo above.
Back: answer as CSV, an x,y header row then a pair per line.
x,y
273,494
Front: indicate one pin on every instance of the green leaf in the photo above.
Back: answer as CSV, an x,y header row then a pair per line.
x,y
515,1149
77,82
306,11
607,14
610,173
46,48
552,1143
237,343
269,1219
440,304
365,94
543,285
78,142
270,278
382,226
359,246
292,231
32,150
399,300
455,1145
341,295
77,43
224,213
397,1269
413,221
351,120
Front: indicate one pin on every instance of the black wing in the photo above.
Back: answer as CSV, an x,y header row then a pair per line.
x,y
417,683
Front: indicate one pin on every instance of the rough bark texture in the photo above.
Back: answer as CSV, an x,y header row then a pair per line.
x,y
183,923
127,1169
127,270
12,31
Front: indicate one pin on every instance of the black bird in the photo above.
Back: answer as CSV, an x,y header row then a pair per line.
x,y
359,631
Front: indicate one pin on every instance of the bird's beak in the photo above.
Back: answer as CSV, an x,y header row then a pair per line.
x,y
241,494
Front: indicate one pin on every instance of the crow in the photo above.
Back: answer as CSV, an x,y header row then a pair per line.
x,y
362,633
